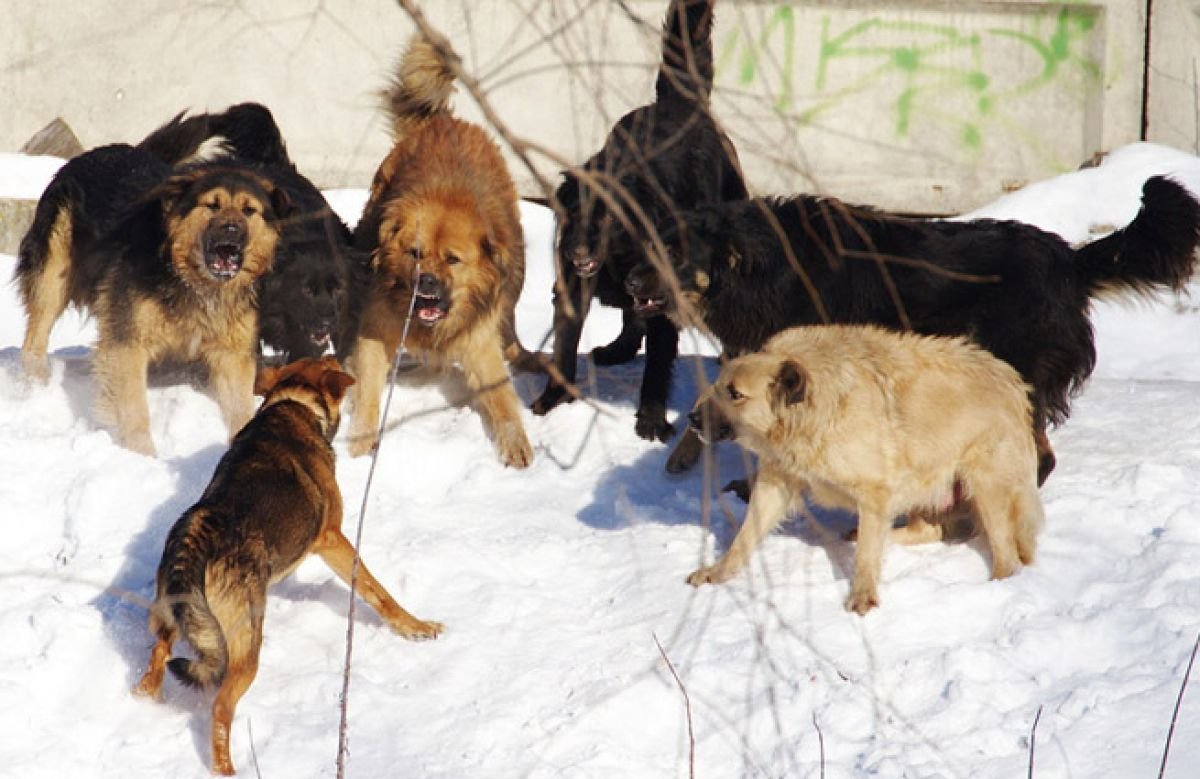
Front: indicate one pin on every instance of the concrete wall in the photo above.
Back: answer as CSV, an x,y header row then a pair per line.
x,y
919,105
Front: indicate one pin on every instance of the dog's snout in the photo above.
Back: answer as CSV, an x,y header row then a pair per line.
x,y
635,284
427,284
696,419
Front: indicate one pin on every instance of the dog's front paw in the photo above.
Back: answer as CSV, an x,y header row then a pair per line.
x,y
514,447
138,441
616,353
710,574
861,600
686,452
360,444
739,487
652,424
551,397
36,367
420,630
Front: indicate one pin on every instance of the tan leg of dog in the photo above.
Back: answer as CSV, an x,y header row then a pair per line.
x,y
121,395
874,527
232,377
369,365
997,513
499,406
46,298
338,553
1027,520
768,505
150,685
243,636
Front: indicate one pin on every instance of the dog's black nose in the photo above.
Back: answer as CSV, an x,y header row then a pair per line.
x,y
427,284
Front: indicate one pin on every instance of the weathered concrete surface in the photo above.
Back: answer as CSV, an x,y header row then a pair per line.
x,y
909,104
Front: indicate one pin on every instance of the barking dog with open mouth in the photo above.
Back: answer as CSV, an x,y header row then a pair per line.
x,y
882,423
165,257
272,502
444,233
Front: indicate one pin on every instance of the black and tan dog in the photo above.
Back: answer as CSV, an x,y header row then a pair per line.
x,y
881,423
444,233
272,501
166,258
750,269
657,161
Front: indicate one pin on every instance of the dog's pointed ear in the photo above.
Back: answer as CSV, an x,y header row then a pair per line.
x,y
281,204
169,193
336,382
791,383
266,380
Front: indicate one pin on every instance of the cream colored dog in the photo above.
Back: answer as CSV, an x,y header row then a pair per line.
x,y
883,423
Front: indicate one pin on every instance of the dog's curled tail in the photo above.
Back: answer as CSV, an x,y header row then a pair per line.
x,y
184,604
686,71
1153,253
178,139
251,134
421,88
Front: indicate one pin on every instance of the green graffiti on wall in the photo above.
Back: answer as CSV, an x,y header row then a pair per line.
x,y
908,67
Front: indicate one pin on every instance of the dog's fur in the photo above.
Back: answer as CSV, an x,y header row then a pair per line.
x,y
165,257
442,201
272,501
883,423
751,269
307,304
660,159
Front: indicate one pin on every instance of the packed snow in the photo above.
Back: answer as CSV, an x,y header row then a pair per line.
x,y
557,584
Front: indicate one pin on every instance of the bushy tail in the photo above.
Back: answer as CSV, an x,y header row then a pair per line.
x,y
421,88
189,548
251,134
1153,253
686,72
178,139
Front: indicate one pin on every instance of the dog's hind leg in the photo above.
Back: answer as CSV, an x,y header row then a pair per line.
x,y
625,346
338,554
242,626
997,511
662,346
45,290
1028,515
768,505
150,685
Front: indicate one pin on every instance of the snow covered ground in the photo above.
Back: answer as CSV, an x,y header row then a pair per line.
x,y
555,583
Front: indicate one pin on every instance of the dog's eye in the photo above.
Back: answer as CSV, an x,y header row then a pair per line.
x,y
214,206
452,259
413,252
733,394
249,211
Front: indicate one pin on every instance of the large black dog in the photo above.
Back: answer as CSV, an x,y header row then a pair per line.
x,y
308,301
754,268
657,161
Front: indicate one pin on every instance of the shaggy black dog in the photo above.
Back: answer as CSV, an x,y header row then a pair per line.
x,y
754,268
657,161
307,303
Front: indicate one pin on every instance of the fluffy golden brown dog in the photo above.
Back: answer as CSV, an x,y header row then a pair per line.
x,y
443,226
273,501
165,257
883,423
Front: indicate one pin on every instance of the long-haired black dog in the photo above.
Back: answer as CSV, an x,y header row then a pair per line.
x,y
308,302
754,268
658,160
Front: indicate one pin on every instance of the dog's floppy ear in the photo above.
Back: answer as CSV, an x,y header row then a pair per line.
x,y
335,383
791,383
170,192
266,380
281,204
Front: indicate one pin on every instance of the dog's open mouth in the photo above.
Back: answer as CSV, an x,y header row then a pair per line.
x,y
320,335
430,309
647,306
223,259
586,267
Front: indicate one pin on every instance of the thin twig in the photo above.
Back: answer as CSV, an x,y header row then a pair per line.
x,y
1033,739
253,751
820,743
1178,702
687,707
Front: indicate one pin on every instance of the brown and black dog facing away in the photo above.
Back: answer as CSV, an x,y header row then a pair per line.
x,y
272,501
882,423
666,157
166,259
441,224
751,269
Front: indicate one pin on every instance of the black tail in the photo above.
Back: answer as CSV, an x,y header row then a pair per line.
x,y
1153,253
178,139
189,549
251,134
63,194
686,73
